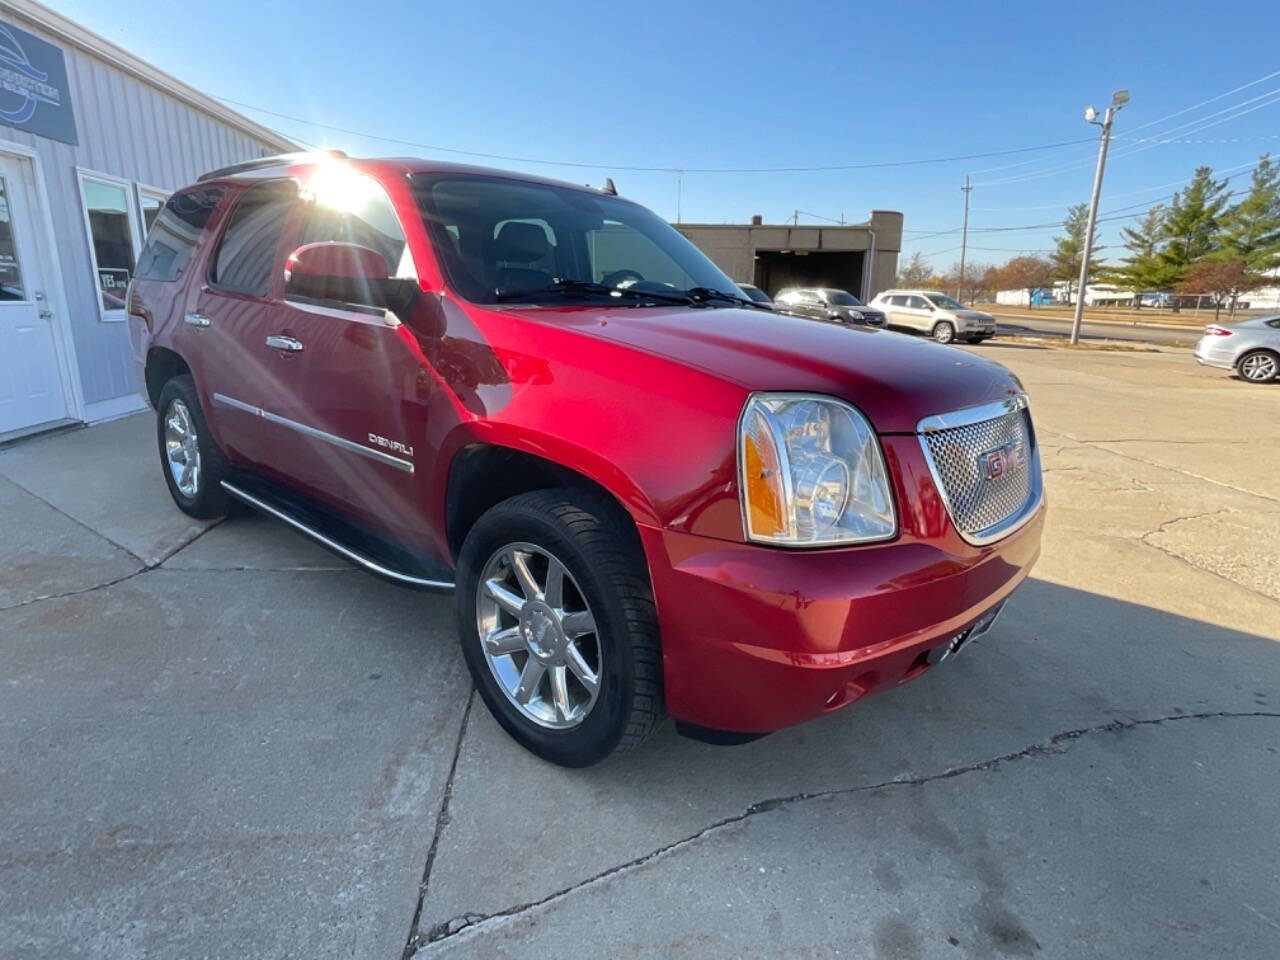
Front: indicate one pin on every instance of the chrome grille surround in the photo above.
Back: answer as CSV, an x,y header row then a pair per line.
x,y
983,509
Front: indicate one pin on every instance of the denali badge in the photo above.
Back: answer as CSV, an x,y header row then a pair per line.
x,y
386,444
996,463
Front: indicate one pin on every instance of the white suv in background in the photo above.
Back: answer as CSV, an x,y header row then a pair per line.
x,y
936,314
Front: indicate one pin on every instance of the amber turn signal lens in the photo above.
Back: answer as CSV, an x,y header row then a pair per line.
x,y
763,475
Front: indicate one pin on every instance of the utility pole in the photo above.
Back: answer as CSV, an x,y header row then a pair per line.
x,y
964,239
679,192
1118,100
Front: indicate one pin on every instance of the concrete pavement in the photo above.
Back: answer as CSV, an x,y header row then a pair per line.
x,y
221,741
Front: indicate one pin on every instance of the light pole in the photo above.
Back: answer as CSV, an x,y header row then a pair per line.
x,y
1118,100
964,239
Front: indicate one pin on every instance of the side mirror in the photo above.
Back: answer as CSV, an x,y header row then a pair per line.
x,y
349,273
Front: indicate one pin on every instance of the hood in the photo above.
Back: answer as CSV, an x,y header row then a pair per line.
x,y
970,314
896,380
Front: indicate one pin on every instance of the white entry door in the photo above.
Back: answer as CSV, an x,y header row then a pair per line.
x,y
31,390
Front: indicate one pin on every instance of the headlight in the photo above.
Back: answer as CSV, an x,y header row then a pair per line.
x,y
855,315
811,473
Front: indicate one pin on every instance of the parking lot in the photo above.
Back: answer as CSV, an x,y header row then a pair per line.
x,y
221,741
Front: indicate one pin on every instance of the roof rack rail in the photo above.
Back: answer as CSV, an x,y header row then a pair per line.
x,y
262,162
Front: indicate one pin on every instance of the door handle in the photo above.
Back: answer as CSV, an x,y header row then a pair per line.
x,y
196,320
284,343
46,314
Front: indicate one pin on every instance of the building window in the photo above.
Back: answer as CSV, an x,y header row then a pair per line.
x,y
150,203
11,285
112,239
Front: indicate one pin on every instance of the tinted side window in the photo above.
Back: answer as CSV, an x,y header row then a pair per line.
x,y
247,253
171,240
918,303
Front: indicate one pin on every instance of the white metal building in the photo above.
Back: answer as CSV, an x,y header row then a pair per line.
x,y
92,141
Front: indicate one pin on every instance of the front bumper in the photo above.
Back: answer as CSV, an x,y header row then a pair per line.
x,y
758,638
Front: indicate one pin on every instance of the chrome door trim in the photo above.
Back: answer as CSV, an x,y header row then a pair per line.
x,y
315,433
358,558
224,400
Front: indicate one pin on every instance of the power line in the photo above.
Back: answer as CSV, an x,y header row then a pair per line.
x,y
1243,168
640,169
1204,103
1199,124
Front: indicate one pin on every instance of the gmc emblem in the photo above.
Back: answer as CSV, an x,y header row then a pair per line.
x,y
996,463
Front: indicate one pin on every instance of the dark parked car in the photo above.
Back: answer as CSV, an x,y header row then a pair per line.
x,y
827,303
755,294
647,496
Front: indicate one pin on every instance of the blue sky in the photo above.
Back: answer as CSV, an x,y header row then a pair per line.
x,y
753,84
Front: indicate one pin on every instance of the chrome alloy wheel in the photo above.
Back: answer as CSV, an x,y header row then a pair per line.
x,y
1258,367
538,635
182,449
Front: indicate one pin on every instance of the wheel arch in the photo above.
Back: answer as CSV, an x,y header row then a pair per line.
x,y
483,473
162,366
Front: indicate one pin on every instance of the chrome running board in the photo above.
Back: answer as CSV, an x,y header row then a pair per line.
x,y
373,566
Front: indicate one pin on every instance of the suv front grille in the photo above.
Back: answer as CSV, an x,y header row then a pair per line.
x,y
986,466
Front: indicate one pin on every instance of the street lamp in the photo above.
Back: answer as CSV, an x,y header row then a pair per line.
x,y
1118,100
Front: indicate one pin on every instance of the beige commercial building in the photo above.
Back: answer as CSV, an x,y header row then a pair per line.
x,y
859,257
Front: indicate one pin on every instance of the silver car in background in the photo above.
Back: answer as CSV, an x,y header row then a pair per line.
x,y
936,314
1249,347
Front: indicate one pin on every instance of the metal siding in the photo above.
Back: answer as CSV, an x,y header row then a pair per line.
x,y
133,131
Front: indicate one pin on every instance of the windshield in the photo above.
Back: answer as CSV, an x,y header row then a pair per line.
x,y
504,240
841,299
755,293
943,301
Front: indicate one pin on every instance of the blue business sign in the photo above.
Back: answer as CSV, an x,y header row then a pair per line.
x,y
33,86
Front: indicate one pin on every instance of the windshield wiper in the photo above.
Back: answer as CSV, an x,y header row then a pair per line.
x,y
706,294
586,288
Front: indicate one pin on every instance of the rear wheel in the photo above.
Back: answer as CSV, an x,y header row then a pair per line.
x,y
944,332
193,466
558,626
1259,366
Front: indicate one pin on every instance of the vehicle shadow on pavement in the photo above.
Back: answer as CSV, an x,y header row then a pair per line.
x,y
1009,800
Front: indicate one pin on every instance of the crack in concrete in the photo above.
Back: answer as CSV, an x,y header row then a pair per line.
x,y
144,568
472,922
1166,466
78,522
414,940
1145,540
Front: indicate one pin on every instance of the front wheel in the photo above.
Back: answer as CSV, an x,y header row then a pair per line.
x,y
1260,366
944,332
558,626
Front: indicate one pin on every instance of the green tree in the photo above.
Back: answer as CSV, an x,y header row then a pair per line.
x,y
915,272
1140,270
1191,228
1250,231
1069,247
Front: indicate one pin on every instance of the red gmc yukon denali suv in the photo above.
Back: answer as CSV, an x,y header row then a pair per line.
x,y
648,495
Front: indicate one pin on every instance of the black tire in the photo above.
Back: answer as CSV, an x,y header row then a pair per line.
x,y
600,549
208,501
943,331
1263,366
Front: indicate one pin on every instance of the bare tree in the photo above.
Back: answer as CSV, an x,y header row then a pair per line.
x,y
1222,280
1026,273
